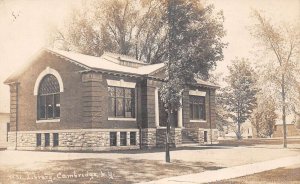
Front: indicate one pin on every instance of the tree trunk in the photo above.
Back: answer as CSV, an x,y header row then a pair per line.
x,y
239,131
283,110
168,136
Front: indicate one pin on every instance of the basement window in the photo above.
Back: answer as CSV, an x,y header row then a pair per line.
x,y
113,138
132,138
38,140
123,138
55,139
47,139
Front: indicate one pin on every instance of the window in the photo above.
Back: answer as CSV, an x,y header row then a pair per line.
x,y
113,138
205,136
38,139
55,139
121,102
7,130
123,138
48,98
197,107
132,138
47,139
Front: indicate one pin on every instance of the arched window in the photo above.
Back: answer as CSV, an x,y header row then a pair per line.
x,y
49,98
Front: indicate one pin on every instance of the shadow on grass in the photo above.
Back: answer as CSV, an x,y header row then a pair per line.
x,y
124,170
141,151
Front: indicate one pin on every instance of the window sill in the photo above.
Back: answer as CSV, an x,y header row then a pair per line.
x,y
121,119
48,121
198,121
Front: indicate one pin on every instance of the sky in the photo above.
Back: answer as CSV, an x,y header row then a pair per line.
x,y
25,25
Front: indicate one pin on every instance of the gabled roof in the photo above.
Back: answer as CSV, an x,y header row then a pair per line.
x,y
109,62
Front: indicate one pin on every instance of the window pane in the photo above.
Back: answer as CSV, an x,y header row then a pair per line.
x,y
57,105
119,92
202,112
111,91
196,111
120,107
128,108
42,107
112,107
191,111
49,103
123,138
48,85
132,103
129,93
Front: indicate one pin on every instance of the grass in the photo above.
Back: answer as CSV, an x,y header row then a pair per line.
x,y
131,170
124,170
276,176
252,142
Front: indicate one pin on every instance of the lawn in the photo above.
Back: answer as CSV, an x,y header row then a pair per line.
x,y
96,170
32,167
289,175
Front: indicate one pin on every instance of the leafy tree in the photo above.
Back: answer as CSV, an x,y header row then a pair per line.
x,y
222,115
135,28
280,44
194,47
264,116
240,94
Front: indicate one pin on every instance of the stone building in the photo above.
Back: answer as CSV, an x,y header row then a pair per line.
x,y
68,101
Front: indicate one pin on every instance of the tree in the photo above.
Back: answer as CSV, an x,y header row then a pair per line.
x,y
184,34
281,44
264,116
194,47
240,94
135,28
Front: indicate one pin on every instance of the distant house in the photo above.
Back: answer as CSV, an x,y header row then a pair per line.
x,y
246,131
291,130
4,129
70,101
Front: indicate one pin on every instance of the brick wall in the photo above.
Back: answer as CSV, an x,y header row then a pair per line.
x,y
71,108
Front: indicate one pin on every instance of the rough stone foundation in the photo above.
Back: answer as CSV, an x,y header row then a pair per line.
x,y
175,134
72,140
148,138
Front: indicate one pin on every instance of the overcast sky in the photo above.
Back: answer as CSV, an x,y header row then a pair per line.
x,y
24,25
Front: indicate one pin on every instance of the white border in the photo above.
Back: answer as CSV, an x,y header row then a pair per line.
x,y
121,119
48,121
197,93
198,121
120,83
47,71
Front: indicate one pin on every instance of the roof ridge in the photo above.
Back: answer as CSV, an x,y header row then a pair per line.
x,y
130,58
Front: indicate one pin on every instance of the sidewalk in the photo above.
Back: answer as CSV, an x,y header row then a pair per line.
x,y
231,172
